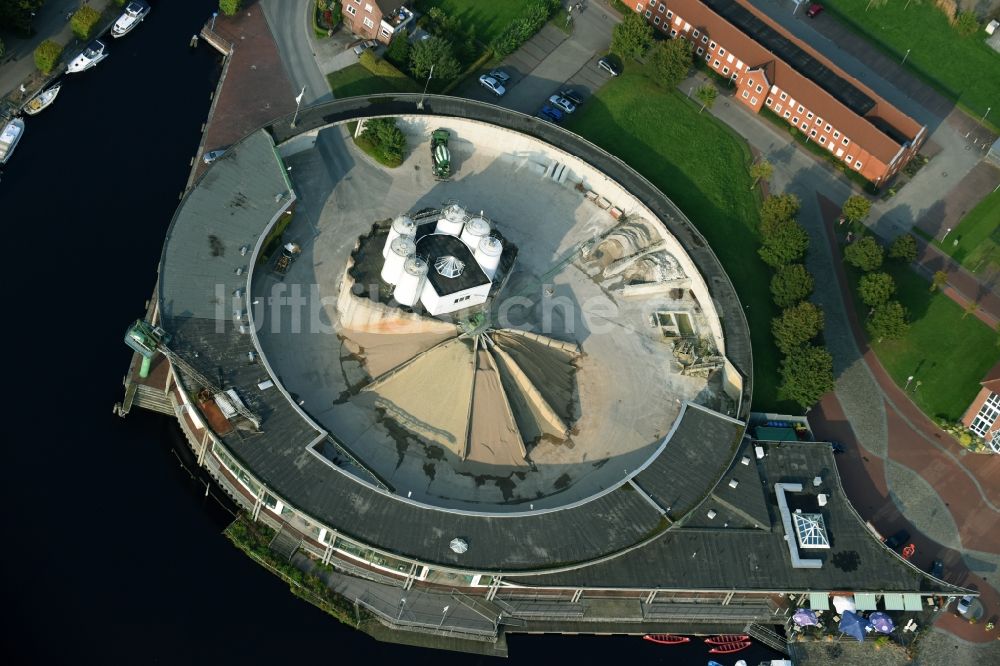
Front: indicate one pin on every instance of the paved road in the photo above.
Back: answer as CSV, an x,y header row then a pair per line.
x,y
291,27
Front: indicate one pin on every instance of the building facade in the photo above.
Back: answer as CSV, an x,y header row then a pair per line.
x,y
983,416
376,19
774,72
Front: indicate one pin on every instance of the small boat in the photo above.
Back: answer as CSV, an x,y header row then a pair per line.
x,y
666,639
729,648
93,54
9,136
135,11
722,639
42,100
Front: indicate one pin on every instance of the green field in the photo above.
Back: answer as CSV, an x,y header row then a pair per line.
x,y
707,178
978,236
487,17
957,66
356,80
947,354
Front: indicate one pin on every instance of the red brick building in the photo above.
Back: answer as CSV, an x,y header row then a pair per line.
x,y
771,68
376,19
983,415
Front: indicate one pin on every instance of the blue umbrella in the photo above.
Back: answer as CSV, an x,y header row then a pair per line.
x,y
882,622
853,624
805,617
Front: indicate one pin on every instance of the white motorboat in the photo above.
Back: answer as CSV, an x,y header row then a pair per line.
x,y
135,11
93,54
42,100
9,137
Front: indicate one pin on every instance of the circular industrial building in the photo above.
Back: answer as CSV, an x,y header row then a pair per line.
x,y
508,363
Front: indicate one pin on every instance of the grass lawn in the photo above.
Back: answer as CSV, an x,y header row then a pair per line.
x,y
978,236
947,354
956,65
356,80
706,178
487,17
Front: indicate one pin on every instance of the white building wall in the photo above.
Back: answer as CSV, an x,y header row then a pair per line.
x,y
437,305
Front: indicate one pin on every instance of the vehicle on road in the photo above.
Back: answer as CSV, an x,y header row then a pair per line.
x,y
551,113
492,85
897,540
213,155
609,66
93,54
440,155
364,46
966,605
936,569
814,10
500,75
571,95
562,104
134,12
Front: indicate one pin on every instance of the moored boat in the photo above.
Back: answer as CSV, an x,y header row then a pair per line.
x,y
666,639
729,648
722,639
93,54
42,100
9,136
133,15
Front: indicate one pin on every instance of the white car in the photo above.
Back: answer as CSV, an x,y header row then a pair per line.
x,y
492,85
562,103
963,605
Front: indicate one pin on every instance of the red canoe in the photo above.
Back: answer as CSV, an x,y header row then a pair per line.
x,y
729,648
666,639
723,639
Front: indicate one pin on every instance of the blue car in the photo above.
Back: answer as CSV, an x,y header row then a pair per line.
x,y
551,113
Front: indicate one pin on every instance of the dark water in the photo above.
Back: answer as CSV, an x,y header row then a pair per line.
x,y
111,553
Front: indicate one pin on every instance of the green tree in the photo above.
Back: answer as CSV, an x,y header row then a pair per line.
x,y
398,51
779,207
791,284
230,7
706,94
966,24
671,60
632,36
387,139
904,248
47,55
888,322
761,170
876,288
434,52
783,242
17,15
865,253
83,22
939,280
806,375
796,326
856,208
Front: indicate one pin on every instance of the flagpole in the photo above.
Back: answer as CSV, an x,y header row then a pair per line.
x,y
298,101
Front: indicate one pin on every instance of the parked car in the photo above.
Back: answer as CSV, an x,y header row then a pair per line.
x,y
936,569
898,540
213,155
814,10
571,95
500,75
609,66
964,604
551,113
562,104
364,46
492,85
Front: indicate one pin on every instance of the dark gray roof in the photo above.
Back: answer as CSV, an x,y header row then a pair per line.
x,y
432,246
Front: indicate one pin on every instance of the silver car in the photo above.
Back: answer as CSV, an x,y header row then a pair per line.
x,y
364,46
492,85
562,103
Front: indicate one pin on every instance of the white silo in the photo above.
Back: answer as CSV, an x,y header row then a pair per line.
x,y
399,250
476,229
488,255
411,281
401,226
452,220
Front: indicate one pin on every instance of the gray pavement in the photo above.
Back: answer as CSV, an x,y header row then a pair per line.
x,y
292,30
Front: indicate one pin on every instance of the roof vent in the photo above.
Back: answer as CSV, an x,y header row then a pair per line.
x,y
733,483
449,266
821,498
745,460
759,450
817,480
712,514
459,545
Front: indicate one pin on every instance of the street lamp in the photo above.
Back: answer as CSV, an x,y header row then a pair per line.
x,y
985,114
946,232
906,56
908,380
298,102
402,604
420,104
444,611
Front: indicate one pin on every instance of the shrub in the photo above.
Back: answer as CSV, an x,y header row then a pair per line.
x,y
966,24
791,284
523,27
230,7
904,248
865,253
387,141
398,51
83,22
47,55
796,326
